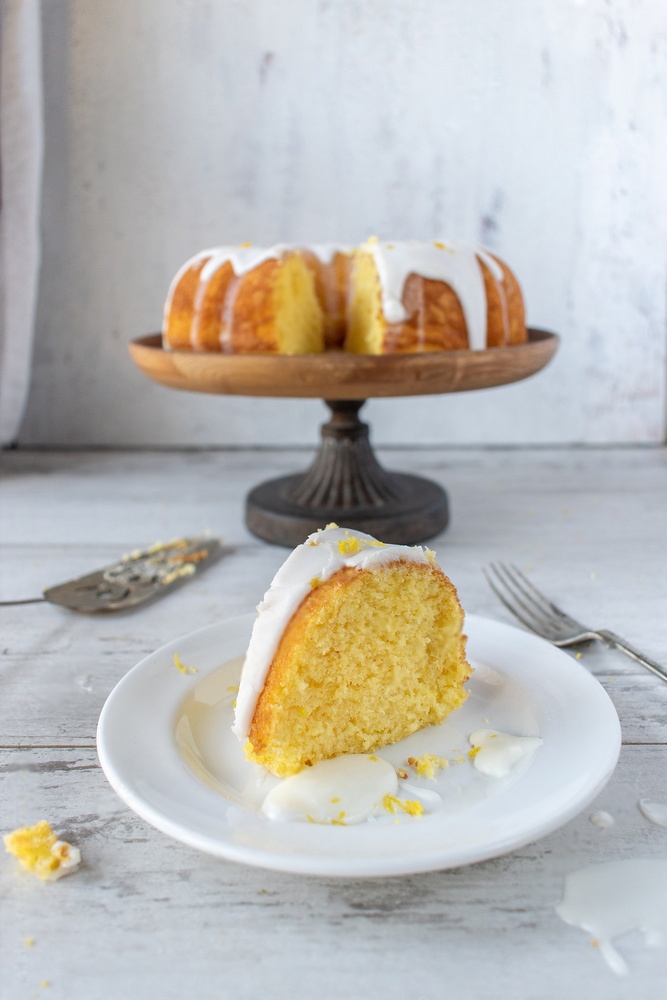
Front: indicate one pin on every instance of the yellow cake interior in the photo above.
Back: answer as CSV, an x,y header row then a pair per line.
x,y
366,323
299,320
369,657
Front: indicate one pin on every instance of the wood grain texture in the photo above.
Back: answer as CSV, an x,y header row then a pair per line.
x,y
148,915
336,375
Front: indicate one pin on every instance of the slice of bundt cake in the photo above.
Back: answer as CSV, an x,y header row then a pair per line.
x,y
410,297
357,644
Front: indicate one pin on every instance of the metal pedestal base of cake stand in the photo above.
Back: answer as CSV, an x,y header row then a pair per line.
x,y
346,484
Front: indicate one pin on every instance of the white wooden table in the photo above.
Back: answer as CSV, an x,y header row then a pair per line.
x,y
145,916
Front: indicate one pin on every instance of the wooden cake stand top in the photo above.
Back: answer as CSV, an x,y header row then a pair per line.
x,y
337,375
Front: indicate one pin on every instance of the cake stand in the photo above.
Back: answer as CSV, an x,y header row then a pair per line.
x,y
345,483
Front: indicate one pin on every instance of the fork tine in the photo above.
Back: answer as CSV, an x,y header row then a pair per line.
x,y
529,589
527,618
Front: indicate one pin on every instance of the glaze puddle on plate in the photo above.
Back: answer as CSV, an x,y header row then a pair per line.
x,y
215,757
655,812
616,897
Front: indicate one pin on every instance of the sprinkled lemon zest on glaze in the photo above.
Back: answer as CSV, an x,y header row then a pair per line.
x,y
428,764
328,526
310,818
340,821
182,667
372,757
474,751
349,546
233,687
335,799
28,942
315,582
409,806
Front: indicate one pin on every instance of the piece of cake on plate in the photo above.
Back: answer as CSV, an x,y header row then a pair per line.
x,y
357,644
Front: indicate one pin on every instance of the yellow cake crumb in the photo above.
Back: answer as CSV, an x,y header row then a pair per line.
x,y
182,667
39,850
187,569
428,764
409,806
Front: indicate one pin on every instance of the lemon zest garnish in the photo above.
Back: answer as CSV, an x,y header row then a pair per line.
x,y
336,799
349,546
427,764
474,751
182,667
409,806
372,757
315,582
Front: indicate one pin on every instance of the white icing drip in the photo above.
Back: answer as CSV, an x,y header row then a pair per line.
x,y
242,258
325,252
500,752
318,558
614,898
449,261
342,790
192,262
499,278
227,324
602,819
655,812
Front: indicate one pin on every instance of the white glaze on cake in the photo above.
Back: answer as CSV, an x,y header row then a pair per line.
x,y
318,558
450,261
453,262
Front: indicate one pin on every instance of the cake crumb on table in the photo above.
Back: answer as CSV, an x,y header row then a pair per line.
x,y
39,851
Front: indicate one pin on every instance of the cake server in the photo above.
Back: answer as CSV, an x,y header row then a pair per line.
x,y
136,578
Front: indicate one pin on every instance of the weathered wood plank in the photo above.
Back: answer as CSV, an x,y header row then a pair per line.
x,y
145,910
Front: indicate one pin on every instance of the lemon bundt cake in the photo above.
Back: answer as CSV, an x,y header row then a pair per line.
x,y
382,298
244,300
357,644
410,297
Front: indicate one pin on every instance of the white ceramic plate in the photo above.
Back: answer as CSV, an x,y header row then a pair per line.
x,y
165,745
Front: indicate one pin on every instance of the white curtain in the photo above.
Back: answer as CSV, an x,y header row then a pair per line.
x,y
21,150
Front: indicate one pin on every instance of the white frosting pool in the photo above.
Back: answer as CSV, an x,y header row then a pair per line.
x,y
341,791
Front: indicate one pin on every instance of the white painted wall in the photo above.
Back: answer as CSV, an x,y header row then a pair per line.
x,y
536,126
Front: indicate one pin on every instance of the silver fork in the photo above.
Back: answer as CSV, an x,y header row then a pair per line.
x,y
542,616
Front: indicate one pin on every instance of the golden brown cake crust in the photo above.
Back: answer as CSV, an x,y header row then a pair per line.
x,y
437,321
